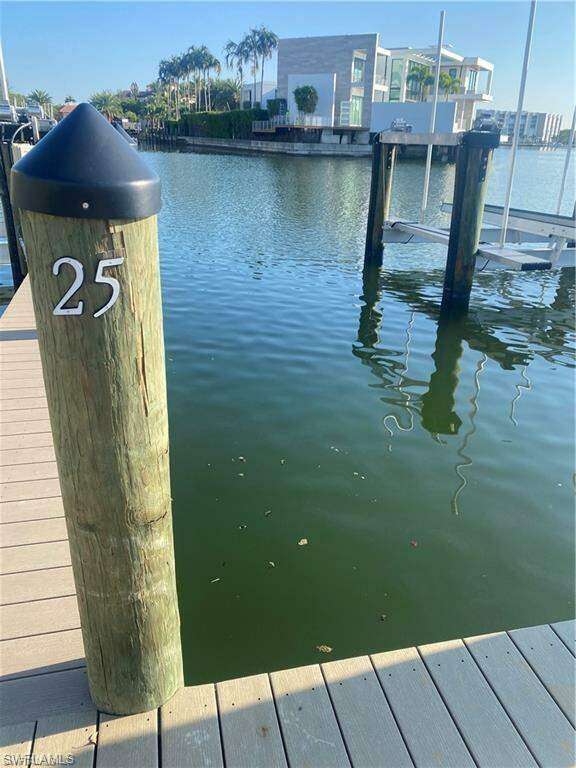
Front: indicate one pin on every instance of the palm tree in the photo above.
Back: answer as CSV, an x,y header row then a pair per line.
x,y
43,98
449,84
233,58
267,44
40,97
107,103
212,63
421,76
250,47
69,100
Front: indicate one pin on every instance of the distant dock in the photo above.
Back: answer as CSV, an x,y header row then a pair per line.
x,y
504,699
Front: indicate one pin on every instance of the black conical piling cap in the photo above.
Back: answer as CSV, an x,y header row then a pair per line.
x,y
84,168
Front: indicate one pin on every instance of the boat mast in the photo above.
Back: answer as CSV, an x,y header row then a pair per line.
x,y
567,161
506,209
432,117
3,81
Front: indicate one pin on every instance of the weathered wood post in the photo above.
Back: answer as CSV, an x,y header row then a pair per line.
x,y
472,167
383,157
17,263
88,206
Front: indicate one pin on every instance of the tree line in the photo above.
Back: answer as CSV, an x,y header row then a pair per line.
x,y
188,82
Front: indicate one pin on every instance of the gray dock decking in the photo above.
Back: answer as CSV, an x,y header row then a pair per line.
x,y
498,700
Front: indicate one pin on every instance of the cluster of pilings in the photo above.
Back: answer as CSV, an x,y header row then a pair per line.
x,y
473,161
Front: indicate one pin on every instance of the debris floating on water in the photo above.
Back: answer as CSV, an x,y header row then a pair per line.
x,y
271,564
241,458
242,527
324,648
413,543
215,580
268,513
302,542
383,617
282,461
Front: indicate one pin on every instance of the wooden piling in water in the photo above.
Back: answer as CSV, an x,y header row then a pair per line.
x,y
383,158
88,205
472,168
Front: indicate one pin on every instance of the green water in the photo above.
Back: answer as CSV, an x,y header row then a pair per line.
x,y
428,466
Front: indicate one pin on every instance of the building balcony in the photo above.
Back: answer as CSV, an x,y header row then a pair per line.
x,y
463,94
289,121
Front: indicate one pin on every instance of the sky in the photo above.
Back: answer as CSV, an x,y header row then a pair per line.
x,y
74,48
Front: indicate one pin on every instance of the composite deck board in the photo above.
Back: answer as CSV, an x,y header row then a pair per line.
x,y
34,557
428,728
190,729
16,473
309,726
51,615
566,631
22,428
31,532
26,510
17,588
29,489
10,404
43,695
368,726
13,457
488,731
552,662
543,726
128,741
23,414
16,743
18,394
19,384
41,654
249,726
71,734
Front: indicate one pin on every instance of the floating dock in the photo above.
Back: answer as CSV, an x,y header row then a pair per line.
x,y
504,699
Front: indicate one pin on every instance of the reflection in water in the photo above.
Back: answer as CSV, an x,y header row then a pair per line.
x,y
438,415
466,460
546,327
519,387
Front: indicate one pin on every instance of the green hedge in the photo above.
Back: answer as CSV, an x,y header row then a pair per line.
x,y
236,124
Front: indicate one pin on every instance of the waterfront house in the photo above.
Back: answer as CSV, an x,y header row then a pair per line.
x,y
363,86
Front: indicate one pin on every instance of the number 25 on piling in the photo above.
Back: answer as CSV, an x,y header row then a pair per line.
x,y
100,277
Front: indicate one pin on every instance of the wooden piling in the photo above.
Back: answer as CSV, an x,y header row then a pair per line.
x,y
472,168
96,292
17,261
383,157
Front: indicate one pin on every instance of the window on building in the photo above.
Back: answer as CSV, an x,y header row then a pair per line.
x,y
472,76
396,79
381,66
379,95
358,67
356,103
453,72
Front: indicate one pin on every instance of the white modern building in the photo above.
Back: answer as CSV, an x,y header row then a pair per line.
x,y
362,86
535,127
262,92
